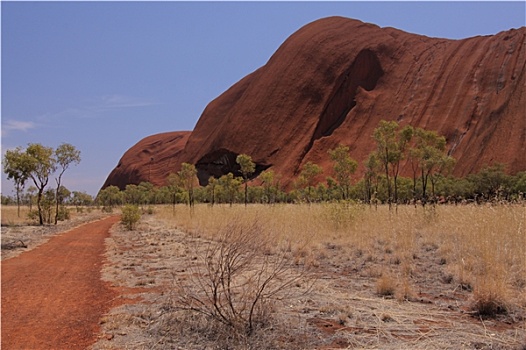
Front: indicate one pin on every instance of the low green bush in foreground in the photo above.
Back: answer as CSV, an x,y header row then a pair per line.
x,y
130,216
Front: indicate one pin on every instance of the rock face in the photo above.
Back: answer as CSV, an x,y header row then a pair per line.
x,y
332,82
149,160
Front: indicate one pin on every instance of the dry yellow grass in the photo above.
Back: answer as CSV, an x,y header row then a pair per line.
x,y
10,215
413,279
483,247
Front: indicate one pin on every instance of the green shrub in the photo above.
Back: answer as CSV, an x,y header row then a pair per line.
x,y
130,216
63,214
33,215
149,210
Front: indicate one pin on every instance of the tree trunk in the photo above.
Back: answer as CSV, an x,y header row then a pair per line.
x,y
246,192
56,200
39,198
395,189
18,200
387,177
213,196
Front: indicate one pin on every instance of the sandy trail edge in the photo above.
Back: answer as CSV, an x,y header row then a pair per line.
x,y
53,295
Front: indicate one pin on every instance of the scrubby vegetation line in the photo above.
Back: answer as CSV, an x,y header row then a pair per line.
x,y
422,150
490,185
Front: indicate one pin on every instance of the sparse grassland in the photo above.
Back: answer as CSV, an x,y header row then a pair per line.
x,y
10,215
444,277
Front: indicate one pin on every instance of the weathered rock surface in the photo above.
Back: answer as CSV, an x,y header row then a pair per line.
x,y
152,159
333,80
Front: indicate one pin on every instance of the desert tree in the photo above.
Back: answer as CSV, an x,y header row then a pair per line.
x,y
307,178
230,186
321,192
372,168
391,147
174,188
344,168
256,194
518,185
211,189
427,155
490,181
455,188
334,190
110,197
270,185
133,194
403,140
414,156
41,164
385,136
65,155
63,195
80,199
148,192
47,203
247,169
16,167
187,176
31,196
445,167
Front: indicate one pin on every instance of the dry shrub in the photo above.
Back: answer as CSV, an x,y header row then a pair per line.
x,y
185,329
490,298
235,281
385,285
405,290
489,303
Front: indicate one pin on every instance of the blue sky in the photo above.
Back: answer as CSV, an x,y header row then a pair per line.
x,y
103,75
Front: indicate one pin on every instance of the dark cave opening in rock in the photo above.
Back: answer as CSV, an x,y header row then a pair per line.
x,y
221,162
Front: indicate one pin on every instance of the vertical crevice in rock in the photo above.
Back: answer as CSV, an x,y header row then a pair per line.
x,y
365,71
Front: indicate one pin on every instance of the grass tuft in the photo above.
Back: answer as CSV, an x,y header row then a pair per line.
x,y
386,285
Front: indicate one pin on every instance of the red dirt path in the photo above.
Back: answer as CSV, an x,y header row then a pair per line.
x,y
53,295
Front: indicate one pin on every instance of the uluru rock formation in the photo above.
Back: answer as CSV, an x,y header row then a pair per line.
x,y
149,159
331,83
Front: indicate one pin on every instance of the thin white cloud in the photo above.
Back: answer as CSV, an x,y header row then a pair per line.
x,y
69,113
16,125
96,107
92,108
122,101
